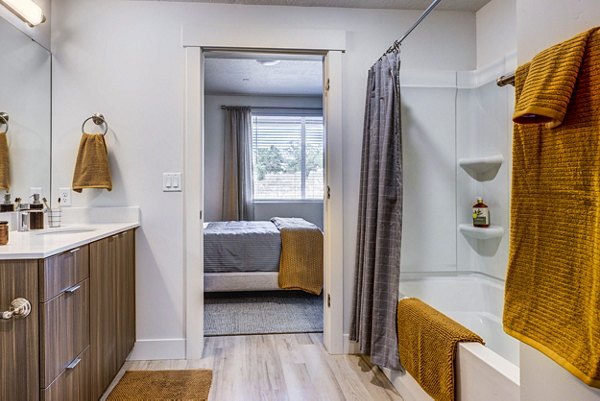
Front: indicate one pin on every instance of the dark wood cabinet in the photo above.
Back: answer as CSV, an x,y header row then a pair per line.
x,y
112,307
82,323
19,346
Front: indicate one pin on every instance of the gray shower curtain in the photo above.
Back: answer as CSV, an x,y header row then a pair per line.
x,y
380,218
238,186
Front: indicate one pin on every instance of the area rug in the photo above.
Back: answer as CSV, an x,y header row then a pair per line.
x,y
158,385
280,312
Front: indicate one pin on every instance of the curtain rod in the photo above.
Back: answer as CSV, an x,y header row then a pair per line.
x,y
427,11
277,108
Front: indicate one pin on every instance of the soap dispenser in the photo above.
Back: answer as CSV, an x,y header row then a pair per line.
x,y
7,206
36,213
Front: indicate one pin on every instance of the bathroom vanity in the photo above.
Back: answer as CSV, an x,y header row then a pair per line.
x,y
80,328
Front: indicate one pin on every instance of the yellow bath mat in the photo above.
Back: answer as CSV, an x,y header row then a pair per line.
x,y
427,341
552,297
163,385
92,169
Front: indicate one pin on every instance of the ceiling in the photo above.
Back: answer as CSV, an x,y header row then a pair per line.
x,y
455,5
250,74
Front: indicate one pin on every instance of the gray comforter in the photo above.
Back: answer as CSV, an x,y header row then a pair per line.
x,y
241,246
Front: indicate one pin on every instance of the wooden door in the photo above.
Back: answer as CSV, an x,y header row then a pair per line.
x,y
19,341
125,295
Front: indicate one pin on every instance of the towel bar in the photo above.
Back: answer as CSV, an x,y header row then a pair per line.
x,y
4,121
98,119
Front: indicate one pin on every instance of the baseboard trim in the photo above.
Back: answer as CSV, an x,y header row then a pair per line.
x,y
150,350
350,347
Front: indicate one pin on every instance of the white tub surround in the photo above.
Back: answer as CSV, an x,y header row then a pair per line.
x,y
474,300
80,226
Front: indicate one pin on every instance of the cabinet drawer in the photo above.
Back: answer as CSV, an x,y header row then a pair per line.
x,y
62,271
65,330
73,384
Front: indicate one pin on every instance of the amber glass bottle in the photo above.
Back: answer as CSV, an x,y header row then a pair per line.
x,y
481,214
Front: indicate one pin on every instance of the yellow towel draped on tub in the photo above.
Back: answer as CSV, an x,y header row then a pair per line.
x,y
4,165
427,341
552,297
92,169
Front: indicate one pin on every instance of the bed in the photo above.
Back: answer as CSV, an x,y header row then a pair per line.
x,y
247,255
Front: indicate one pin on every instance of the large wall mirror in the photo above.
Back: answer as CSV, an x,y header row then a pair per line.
x,y
25,96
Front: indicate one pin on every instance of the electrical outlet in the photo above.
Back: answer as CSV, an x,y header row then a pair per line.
x,y
35,190
65,196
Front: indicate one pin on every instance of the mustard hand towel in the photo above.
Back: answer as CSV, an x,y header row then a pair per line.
x,y
552,299
427,341
92,169
549,83
4,166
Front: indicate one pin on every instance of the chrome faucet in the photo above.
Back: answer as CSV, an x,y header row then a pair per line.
x,y
23,217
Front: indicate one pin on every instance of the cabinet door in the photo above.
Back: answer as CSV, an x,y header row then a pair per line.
x,y
19,341
103,310
125,295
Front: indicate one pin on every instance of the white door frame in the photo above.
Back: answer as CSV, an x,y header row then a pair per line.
x,y
331,44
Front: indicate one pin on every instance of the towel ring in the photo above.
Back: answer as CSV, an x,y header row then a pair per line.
x,y
4,121
98,119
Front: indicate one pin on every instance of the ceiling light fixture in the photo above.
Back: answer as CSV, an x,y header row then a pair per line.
x,y
268,63
26,10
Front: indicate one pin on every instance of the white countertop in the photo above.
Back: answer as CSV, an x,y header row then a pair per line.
x,y
39,244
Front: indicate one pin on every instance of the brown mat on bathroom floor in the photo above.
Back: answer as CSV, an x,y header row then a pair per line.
x,y
189,385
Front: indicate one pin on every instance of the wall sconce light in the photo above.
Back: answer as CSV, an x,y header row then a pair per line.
x,y
26,10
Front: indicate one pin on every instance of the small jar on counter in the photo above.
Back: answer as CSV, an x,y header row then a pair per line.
x,y
3,232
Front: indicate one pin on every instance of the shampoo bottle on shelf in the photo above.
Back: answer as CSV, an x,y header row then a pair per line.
x,y
481,214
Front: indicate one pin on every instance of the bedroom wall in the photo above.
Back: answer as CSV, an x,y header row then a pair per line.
x,y
213,163
124,59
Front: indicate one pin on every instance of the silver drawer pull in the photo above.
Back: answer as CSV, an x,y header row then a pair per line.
x,y
74,250
71,290
73,364
20,308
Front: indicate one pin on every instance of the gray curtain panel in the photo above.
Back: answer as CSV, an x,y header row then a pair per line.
x,y
380,218
238,189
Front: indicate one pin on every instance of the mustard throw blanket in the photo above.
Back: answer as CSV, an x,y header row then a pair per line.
x,y
552,299
4,166
427,341
92,169
301,261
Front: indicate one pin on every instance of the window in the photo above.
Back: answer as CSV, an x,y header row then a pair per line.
x,y
287,147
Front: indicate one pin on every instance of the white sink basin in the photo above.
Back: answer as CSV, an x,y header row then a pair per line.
x,y
65,230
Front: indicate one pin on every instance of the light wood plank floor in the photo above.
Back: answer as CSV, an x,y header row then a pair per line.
x,y
285,367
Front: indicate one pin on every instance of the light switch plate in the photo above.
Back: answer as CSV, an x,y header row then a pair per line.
x,y
65,196
171,182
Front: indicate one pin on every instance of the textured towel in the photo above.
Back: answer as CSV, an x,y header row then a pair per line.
x,y
4,166
92,169
552,299
427,341
301,262
548,85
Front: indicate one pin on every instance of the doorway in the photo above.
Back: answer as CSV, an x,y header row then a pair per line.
x,y
330,45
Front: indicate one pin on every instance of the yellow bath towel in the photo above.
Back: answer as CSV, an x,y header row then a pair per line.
x,y
427,341
552,297
4,166
92,169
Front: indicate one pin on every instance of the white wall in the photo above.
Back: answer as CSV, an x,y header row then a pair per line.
x,y
124,59
496,31
213,158
541,25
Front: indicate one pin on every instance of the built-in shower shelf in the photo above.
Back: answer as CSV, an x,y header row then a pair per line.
x,y
481,233
482,168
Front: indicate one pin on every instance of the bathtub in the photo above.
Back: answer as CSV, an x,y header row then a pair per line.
x,y
484,373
